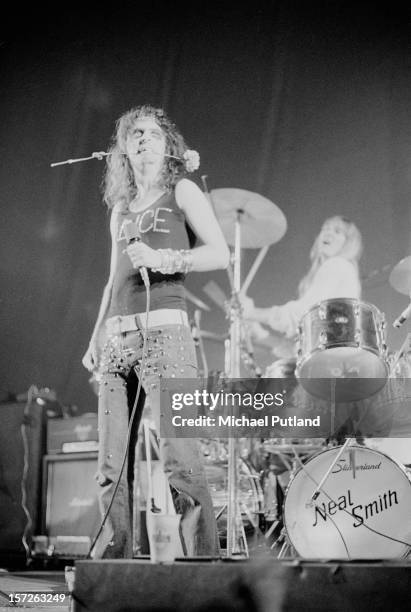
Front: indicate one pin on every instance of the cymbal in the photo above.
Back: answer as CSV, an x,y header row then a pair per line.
x,y
400,277
261,221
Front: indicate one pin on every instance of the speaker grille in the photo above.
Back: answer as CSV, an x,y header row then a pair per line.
x,y
71,510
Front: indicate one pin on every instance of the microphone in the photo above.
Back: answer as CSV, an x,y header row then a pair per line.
x,y
403,316
132,234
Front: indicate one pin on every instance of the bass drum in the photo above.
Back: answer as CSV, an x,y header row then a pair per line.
x,y
398,449
362,511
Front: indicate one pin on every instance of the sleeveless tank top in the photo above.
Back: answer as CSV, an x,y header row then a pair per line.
x,y
162,226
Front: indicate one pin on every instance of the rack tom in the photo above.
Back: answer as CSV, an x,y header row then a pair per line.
x,y
344,340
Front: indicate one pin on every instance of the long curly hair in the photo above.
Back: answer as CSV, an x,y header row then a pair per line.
x,y
351,249
119,185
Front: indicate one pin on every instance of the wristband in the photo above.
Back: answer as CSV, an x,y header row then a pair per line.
x,y
175,261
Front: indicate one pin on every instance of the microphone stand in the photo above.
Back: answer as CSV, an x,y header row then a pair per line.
x,y
99,155
96,155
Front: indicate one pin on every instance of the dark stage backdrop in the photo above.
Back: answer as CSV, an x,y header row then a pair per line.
x,y
305,103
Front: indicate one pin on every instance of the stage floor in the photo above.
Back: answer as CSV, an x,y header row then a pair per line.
x,y
48,586
264,585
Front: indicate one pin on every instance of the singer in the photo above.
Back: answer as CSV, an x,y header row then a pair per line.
x,y
157,215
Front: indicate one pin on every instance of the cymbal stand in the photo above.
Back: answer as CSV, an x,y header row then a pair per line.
x,y
232,369
234,372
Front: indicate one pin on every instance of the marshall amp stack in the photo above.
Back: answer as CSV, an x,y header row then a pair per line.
x,y
70,513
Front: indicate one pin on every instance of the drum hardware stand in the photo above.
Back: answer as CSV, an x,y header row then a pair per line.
x,y
346,444
286,544
332,406
147,441
247,355
273,527
238,522
232,368
404,349
234,372
283,533
267,224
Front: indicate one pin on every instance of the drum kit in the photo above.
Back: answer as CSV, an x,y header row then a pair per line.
x,y
340,501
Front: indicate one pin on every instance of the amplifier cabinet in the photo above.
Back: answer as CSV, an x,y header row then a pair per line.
x,y
22,446
72,434
71,515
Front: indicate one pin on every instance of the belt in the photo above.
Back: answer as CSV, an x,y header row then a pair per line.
x,y
133,322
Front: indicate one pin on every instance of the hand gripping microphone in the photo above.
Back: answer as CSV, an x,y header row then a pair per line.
x,y
132,235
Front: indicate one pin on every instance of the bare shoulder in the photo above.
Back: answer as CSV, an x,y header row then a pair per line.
x,y
187,185
187,191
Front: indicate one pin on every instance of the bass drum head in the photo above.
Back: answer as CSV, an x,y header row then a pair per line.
x,y
363,510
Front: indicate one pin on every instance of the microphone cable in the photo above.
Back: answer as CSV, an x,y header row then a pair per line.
x,y
133,412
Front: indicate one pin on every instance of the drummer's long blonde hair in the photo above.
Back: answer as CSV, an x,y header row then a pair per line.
x,y
351,250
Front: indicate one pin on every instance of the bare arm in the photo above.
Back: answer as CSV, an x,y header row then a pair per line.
x,y
91,357
213,254
336,278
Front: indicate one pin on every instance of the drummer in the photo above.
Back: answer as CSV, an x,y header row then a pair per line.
x,y
334,273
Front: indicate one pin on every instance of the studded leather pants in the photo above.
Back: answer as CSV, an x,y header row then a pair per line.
x,y
170,352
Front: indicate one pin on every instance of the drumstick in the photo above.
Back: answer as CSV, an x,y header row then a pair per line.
x,y
328,472
253,269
